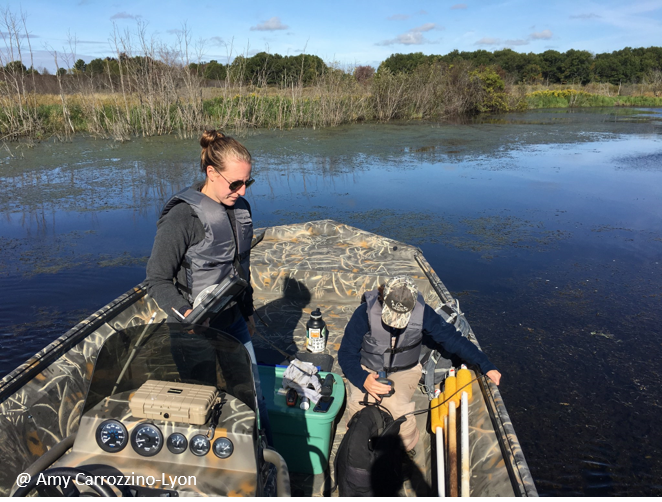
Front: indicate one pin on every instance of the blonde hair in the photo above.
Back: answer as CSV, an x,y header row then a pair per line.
x,y
217,148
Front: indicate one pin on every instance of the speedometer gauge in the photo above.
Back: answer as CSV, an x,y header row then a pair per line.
x,y
112,436
147,440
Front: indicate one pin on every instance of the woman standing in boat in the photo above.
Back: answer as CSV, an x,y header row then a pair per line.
x,y
204,234
385,334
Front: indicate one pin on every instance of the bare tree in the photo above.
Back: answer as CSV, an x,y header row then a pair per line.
x,y
654,79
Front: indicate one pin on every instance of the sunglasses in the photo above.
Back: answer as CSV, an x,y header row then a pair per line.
x,y
236,185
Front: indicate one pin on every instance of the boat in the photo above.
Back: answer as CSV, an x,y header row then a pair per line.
x,y
65,409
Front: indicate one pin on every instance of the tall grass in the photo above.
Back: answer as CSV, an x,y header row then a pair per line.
x,y
574,98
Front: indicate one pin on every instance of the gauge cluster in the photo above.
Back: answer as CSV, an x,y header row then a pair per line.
x,y
147,440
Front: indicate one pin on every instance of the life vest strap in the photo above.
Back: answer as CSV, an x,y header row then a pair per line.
x,y
401,349
395,369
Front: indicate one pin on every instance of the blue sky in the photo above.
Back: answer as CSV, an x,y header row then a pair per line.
x,y
343,31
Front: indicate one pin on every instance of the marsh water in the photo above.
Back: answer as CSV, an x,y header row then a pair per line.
x,y
546,225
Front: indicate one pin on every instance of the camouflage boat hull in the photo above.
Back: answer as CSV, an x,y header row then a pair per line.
x,y
295,268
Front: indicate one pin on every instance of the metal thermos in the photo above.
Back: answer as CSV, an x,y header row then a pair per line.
x,y
316,332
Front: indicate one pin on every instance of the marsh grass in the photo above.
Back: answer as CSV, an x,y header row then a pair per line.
x,y
578,98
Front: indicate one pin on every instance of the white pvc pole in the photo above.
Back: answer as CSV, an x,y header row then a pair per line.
x,y
452,450
466,470
441,472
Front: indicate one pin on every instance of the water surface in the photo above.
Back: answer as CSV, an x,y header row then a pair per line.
x,y
546,225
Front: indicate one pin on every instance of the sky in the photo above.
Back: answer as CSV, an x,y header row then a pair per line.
x,y
345,32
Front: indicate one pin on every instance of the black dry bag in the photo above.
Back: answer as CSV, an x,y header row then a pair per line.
x,y
369,461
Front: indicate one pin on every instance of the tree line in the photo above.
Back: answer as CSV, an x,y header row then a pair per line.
x,y
260,69
627,65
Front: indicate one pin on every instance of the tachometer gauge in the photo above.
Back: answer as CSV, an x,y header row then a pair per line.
x,y
147,440
112,436
200,445
223,447
177,443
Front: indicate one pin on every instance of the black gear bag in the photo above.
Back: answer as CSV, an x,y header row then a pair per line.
x,y
370,456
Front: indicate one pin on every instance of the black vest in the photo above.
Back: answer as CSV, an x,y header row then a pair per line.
x,y
217,255
376,351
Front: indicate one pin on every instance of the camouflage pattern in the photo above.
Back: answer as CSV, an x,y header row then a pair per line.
x,y
294,269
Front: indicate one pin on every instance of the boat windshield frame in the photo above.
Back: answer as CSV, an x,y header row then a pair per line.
x,y
171,352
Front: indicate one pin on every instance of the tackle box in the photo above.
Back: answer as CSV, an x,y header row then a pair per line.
x,y
302,437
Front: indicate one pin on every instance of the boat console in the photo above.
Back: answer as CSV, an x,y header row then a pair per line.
x,y
209,450
170,410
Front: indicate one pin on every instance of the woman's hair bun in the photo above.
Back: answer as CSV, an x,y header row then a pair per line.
x,y
209,136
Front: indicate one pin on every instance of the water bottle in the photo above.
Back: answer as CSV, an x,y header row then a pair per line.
x,y
316,332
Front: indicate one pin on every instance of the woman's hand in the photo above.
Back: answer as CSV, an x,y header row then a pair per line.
x,y
375,388
494,375
250,322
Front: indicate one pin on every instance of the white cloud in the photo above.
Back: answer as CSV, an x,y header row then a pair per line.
x,y
217,41
424,27
271,24
541,35
590,15
6,34
459,6
413,36
123,15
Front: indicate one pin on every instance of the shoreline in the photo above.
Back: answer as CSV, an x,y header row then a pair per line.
x,y
240,114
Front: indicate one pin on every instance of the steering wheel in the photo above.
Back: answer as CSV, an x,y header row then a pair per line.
x,y
61,473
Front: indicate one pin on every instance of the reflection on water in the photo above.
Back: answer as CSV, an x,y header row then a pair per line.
x,y
545,224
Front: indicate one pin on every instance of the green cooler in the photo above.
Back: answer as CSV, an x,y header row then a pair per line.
x,y
303,438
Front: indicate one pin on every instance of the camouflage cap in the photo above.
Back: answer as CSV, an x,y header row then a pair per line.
x,y
400,296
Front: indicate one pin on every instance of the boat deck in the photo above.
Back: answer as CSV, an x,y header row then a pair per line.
x,y
329,266
295,269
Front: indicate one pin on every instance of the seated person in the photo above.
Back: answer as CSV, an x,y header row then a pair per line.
x,y
384,334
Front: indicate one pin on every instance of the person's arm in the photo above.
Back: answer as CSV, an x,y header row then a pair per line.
x,y
174,234
446,335
349,354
